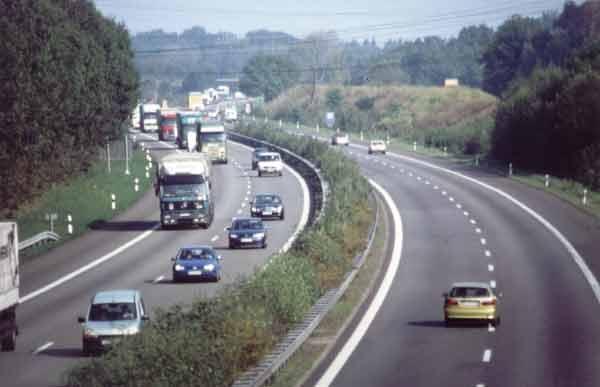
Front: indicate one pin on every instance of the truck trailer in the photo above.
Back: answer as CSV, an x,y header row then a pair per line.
x,y
149,117
9,285
213,141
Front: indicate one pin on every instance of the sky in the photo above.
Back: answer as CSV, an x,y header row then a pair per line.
x,y
351,19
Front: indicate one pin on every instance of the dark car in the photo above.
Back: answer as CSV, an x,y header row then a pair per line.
x,y
247,232
196,262
267,206
255,154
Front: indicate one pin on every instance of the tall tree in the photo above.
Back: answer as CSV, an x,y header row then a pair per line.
x,y
268,76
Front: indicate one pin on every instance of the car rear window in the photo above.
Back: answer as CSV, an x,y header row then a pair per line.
x,y
468,292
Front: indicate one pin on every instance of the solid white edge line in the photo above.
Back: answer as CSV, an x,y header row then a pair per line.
x,y
88,267
362,327
214,238
159,278
577,258
43,348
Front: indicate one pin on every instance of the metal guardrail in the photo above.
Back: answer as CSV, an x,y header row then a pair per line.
x,y
318,187
270,364
39,238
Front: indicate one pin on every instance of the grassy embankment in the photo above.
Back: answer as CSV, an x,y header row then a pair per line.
x,y
213,340
86,197
449,123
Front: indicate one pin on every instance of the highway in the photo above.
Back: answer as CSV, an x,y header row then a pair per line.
x,y
456,230
131,251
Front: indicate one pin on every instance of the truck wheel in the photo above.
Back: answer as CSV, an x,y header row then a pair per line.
x,y
282,216
10,342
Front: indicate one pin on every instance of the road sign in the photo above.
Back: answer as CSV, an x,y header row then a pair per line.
x,y
330,119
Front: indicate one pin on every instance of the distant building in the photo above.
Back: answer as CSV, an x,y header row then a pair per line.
x,y
451,82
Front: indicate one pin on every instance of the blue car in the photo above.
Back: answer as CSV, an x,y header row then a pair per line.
x,y
196,263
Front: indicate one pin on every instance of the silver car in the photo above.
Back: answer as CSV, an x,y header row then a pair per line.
x,y
112,315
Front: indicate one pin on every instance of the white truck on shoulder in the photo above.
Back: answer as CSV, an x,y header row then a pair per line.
x,y
149,115
9,285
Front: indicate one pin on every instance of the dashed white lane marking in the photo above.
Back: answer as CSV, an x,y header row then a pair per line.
x,y
490,268
488,253
473,221
480,385
493,284
248,192
466,213
246,199
361,329
427,182
419,178
384,164
458,205
444,193
410,174
239,211
478,230
402,170
214,238
483,241
451,199
158,279
43,347
243,205
487,356
393,167
491,328
435,187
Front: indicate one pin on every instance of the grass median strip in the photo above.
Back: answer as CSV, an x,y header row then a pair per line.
x,y
297,369
87,198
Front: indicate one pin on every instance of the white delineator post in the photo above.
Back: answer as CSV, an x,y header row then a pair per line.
x,y
147,172
317,128
445,150
113,201
127,172
280,124
547,180
476,160
69,224
136,184
266,119
414,146
510,169
361,136
584,199
297,124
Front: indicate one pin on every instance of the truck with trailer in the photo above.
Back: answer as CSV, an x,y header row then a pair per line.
x,y
230,113
149,117
187,129
183,187
212,141
167,125
9,285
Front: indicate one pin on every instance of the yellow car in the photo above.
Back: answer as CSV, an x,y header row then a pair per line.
x,y
471,301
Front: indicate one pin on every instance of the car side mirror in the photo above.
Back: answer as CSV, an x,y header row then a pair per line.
x,y
80,319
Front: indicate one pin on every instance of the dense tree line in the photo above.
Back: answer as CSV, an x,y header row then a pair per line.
x,y
68,83
549,118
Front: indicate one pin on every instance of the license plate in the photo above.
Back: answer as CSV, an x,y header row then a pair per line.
x,y
105,342
184,214
246,240
267,212
470,303
195,272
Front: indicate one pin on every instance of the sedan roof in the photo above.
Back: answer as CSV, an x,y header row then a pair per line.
x,y
471,285
115,296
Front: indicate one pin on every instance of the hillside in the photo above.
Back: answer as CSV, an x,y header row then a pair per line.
x,y
459,117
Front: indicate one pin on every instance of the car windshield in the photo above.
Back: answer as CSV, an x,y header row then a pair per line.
x,y
196,253
267,199
188,189
113,312
264,157
212,137
248,224
469,292
257,151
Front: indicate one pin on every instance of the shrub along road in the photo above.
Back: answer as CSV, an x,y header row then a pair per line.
x,y
50,317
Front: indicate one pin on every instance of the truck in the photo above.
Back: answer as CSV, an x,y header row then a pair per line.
x,y
196,100
167,125
9,285
187,130
213,141
183,186
231,114
149,117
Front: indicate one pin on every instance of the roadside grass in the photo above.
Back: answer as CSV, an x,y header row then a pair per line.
x,y
566,189
87,198
301,363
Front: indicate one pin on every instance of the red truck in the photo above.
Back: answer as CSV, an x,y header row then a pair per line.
x,y
167,127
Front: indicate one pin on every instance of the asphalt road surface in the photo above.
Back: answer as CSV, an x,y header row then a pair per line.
x,y
50,337
453,231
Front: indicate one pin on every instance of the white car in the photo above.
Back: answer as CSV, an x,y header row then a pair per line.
x,y
377,146
340,139
269,163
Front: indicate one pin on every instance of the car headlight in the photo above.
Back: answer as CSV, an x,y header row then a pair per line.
x,y
259,235
233,235
171,206
87,332
279,208
179,267
209,267
198,205
184,205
